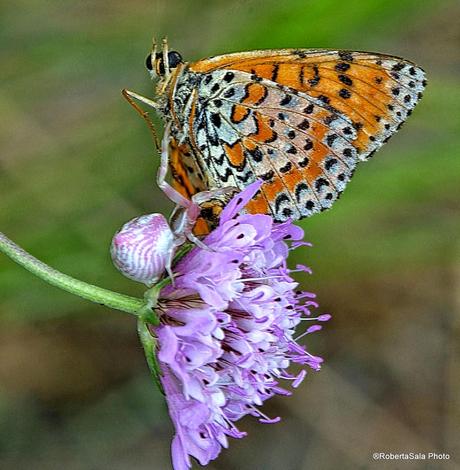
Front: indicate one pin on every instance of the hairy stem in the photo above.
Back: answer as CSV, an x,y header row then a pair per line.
x,y
87,291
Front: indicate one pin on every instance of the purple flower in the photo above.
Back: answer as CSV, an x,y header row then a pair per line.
x,y
227,332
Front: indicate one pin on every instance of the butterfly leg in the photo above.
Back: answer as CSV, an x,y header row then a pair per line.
x,y
130,96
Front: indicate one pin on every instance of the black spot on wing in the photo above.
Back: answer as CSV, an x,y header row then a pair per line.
x,y
229,76
292,150
397,67
330,163
320,182
215,119
331,138
316,78
304,125
268,176
308,144
346,56
281,198
303,163
246,177
225,177
229,93
256,154
342,67
345,79
286,100
344,93
286,168
299,189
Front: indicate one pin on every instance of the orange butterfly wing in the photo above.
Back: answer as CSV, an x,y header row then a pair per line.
x,y
303,119
186,178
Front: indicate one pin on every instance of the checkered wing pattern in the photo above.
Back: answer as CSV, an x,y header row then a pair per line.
x,y
300,120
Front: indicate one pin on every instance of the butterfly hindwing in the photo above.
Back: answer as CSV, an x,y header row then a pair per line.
x,y
298,119
290,150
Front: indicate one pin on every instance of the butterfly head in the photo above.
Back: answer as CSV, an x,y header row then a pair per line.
x,y
163,65
156,64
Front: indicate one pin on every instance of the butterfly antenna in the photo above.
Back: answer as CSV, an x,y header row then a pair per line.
x,y
154,50
165,58
129,97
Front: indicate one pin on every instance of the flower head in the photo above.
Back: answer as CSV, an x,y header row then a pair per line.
x,y
227,330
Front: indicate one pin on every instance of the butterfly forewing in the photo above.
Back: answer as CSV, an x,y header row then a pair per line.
x,y
187,179
298,119
187,176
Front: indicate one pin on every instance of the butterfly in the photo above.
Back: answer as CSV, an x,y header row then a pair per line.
x,y
300,120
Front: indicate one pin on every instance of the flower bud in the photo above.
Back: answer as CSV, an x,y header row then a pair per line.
x,y
142,249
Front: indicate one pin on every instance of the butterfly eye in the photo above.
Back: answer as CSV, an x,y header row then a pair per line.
x,y
174,59
148,62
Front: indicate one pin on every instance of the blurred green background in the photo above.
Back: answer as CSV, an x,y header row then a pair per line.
x,y
76,163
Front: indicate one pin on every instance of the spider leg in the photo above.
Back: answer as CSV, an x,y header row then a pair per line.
x,y
174,195
219,193
187,211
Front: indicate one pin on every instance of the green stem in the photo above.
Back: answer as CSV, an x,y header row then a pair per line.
x,y
149,344
111,299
